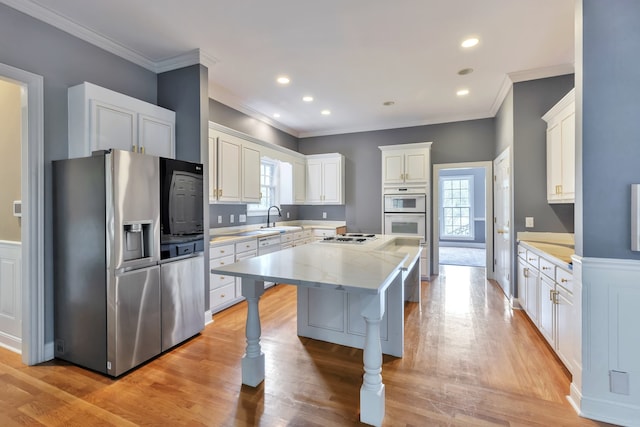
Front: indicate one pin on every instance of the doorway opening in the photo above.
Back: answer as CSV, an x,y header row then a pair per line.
x,y
462,215
31,208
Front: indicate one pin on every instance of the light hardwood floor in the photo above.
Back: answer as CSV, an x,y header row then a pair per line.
x,y
469,360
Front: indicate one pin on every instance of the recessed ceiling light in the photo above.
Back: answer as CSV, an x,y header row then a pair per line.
x,y
283,80
465,71
325,112
276,115
307,98
388,103
462,92
470,42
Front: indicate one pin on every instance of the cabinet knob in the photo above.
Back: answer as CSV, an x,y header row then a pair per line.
x,y
546,268
222,295
563,280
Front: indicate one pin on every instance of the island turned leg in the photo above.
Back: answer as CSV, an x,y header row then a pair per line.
x,y
372,390
253,359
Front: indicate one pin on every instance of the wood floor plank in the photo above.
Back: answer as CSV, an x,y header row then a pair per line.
x,y
470,360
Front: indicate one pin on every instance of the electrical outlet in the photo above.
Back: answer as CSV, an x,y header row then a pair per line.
x,y
324,215
219,219
528,222
288,215
242,218
619,382
232,218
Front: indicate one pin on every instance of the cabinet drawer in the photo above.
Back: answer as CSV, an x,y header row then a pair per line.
x,y
220,251
246,255
321,233
219,262
547,268
220,280
565,279
223,295
522,253
307,234
532,259
249,245
286,238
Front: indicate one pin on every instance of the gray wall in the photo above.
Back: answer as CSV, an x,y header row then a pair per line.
x,y
227,116
532,100
610,126
466,141
63,61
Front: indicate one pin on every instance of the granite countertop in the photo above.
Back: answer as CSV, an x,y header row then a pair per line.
x,y
560,252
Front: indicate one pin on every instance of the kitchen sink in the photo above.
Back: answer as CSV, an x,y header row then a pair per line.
x,y
283,228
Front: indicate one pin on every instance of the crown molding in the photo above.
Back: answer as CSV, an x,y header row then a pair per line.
x,y
192,57
224,96
431,121
65,24
501,95
541,73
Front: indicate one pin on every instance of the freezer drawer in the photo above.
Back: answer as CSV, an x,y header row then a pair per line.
x,y
134,323
182,300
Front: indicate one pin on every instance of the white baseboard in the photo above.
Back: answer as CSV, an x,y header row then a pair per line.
x,y
208,317
11,343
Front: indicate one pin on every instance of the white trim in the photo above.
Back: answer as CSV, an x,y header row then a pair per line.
x,y
488,168
541,73
32,178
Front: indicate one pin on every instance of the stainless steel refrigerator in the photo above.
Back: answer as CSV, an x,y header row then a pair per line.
x,y
107,289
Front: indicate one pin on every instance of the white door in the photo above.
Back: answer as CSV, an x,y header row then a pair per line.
x,y
502,226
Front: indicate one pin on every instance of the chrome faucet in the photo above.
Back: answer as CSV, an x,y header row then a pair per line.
x,y
269,211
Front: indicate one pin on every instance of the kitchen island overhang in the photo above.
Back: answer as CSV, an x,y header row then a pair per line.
x,y
350,270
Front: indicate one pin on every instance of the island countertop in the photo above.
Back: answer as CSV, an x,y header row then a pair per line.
x,y
346,267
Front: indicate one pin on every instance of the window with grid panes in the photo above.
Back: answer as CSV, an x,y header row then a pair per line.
x,y
456,204
268,188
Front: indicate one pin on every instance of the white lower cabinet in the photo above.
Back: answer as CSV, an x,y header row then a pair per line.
x,y
528,284
244,250
222,288
556,318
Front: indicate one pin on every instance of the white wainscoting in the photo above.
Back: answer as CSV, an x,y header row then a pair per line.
x,y
611,340
11,295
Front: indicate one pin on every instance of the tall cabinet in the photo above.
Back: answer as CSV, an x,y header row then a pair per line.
x,y
407,168
325,179
561,150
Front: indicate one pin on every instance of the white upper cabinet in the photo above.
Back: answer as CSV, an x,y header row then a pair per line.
x,y
325,179
406,164
234,169
561,142
299,182
250,174
101,119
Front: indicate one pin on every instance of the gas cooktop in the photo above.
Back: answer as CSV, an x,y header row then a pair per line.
x,y
354,238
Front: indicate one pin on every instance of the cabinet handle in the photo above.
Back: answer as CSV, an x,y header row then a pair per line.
x,y
555,297
141,149
546,268
558,189
220,192
221,277
563,280
134,148
526,272
531,259
222,295
551,291
221,251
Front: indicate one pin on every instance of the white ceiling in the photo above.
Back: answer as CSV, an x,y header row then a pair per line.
x,y
351,56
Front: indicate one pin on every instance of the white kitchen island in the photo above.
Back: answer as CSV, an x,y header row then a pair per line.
x,y
364,274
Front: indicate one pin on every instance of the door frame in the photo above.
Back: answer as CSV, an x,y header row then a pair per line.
x,y
32,193
488,223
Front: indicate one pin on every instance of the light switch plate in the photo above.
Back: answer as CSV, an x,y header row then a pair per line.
x,y
232,218
242,218
528,222
219,219
324,215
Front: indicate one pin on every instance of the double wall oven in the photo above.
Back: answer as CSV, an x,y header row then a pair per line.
x,y
405,214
